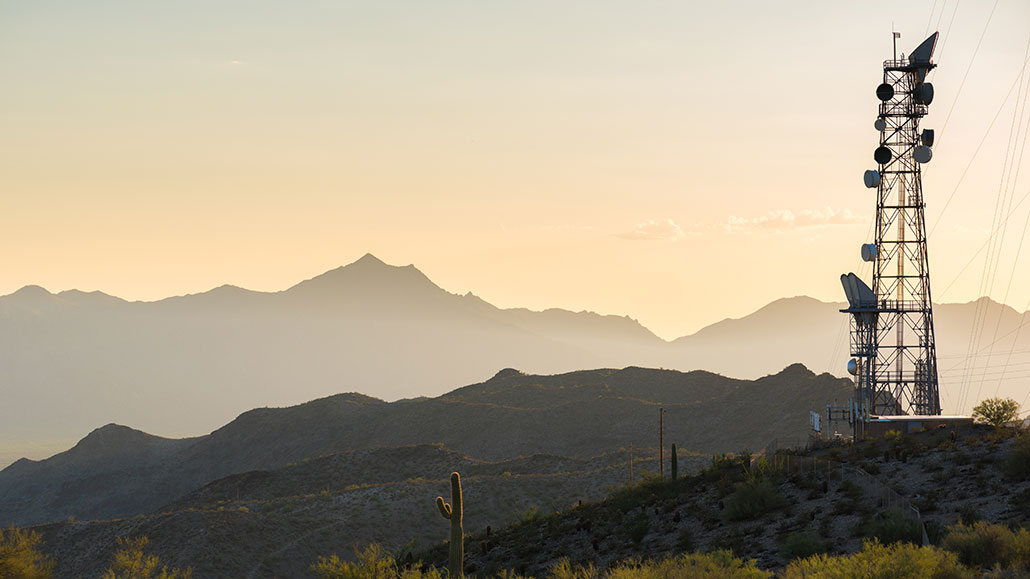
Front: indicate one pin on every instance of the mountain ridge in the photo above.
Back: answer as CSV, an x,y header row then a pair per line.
x,y
577,415
188,364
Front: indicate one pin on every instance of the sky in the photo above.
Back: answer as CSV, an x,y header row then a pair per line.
x,y
677,162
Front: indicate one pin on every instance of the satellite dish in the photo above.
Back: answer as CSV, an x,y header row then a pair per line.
x,y
853,367
882,155
927,137
869,252
924,52
872,179
921,59
880,125
922,154
858,293
885,92
923,94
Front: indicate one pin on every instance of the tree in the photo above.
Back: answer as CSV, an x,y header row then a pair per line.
x,y
130,562
996,411
20,557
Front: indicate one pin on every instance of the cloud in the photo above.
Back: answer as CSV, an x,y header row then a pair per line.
x,y
780,220
655,230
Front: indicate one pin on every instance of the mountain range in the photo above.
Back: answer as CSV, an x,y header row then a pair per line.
x,y
117,471
181,366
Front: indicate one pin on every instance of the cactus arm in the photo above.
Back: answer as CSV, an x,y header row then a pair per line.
x,y
445,509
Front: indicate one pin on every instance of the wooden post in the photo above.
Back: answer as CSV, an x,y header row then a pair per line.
x,y
661,442
631,463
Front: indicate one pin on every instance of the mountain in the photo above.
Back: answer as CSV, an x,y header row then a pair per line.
x,y
117,472
975,361
184,365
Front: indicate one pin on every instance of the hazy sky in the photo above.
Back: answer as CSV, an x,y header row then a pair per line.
x,y
678,162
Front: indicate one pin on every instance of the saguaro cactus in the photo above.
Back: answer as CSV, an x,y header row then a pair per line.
x,y
452,512
675,466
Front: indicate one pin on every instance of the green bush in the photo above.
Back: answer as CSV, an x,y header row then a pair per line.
x,y
685,541
801,545
980,545
877,561
895,527
20,557
752,499
638,528
996,411
968,515
1016,464
1020,503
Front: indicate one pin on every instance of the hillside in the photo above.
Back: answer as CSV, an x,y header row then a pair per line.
x,y
269,529
768,508
825,500
579,415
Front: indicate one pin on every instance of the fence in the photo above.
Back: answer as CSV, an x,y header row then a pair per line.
x,y
887,498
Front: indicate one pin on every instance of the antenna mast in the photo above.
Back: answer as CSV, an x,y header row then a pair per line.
x,y
892,337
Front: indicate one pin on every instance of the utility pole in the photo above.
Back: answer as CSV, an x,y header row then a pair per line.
x,y
661,442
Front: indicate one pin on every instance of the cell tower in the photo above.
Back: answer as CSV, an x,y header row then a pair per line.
x,y
892,339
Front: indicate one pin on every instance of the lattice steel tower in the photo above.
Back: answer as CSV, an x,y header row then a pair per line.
x,y
892,337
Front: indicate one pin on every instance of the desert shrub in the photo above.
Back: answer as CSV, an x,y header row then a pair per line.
x,y
132,562
373,563
752,499
894,527
563,569
729,540
685,541
980,545
1016,463
638,528
724,467
714,565
897,561
1019,552
871,450
851,490
870,467
968,515
1020,502
800,545
20,557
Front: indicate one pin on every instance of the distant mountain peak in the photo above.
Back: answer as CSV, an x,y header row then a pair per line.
x,y
31,292
507,373
111,439
370,277
369,259
796,369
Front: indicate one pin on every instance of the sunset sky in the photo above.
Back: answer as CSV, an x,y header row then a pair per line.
x,y
677,162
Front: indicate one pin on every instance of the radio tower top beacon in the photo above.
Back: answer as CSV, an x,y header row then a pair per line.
x,y
892,340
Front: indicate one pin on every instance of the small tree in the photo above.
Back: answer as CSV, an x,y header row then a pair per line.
x,y
996,411
20,557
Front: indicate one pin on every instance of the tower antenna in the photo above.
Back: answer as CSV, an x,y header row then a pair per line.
x,y
892,334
